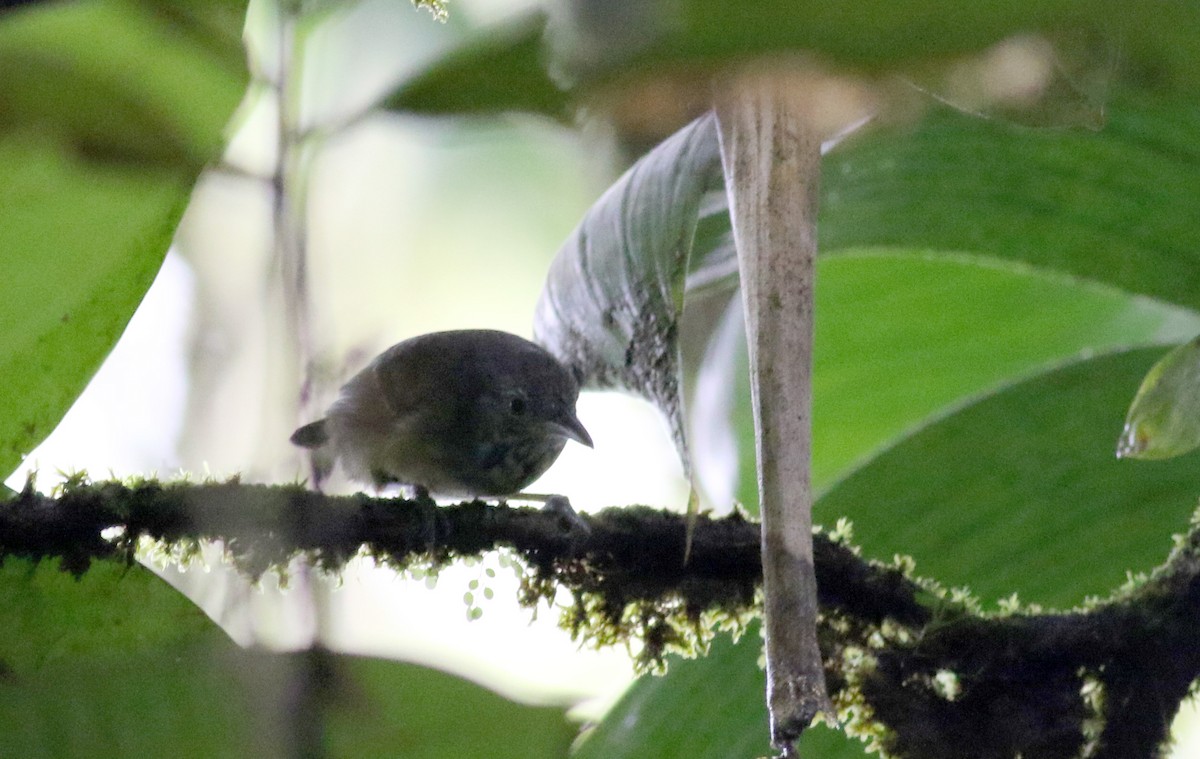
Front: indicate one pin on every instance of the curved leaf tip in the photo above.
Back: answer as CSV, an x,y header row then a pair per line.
x,y
1164,418
614,298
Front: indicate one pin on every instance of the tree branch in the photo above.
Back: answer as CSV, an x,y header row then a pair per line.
x,y
921,674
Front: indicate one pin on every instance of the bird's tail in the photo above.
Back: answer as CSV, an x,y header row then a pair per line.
x,y
311,435
315,435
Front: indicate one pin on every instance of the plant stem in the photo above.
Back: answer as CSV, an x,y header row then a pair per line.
x,y
771,154
289,185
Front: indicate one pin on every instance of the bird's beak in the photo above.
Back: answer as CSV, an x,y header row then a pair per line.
x,y
569,426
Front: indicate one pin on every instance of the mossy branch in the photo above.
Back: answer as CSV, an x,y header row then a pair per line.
x,y
921,674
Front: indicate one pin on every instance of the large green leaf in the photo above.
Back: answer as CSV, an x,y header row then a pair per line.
x,y
1018,492
113,610
651,720
119,664
120,81
82,243
901,337
108,111
1021,492
1117,205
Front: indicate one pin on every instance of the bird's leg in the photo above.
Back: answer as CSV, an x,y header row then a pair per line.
x,y
420,493
560,506
543,498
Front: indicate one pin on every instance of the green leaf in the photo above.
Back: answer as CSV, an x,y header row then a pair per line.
x,y
113,609
121,81
116,663
119,664
601,44
1115,206
904,335
617,291
598,39
1164,419
683,714
85,242
427,714
1020,492
655,718
497,71
188,701
108,111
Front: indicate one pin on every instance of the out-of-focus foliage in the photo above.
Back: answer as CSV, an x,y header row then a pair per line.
x,y
501,71
108,111
117,664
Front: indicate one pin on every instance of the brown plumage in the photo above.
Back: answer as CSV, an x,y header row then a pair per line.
x,y
461,413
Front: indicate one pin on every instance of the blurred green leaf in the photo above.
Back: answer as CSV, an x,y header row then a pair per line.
x,y
123,81
1164,418
395,709
108,111
683,714
606,38
606,41
84,243
114,610
186,701
118,664
500,70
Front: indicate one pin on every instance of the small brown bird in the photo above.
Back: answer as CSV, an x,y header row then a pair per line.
x,y
460,413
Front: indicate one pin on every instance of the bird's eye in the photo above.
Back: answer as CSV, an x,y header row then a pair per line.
x,y
517,406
